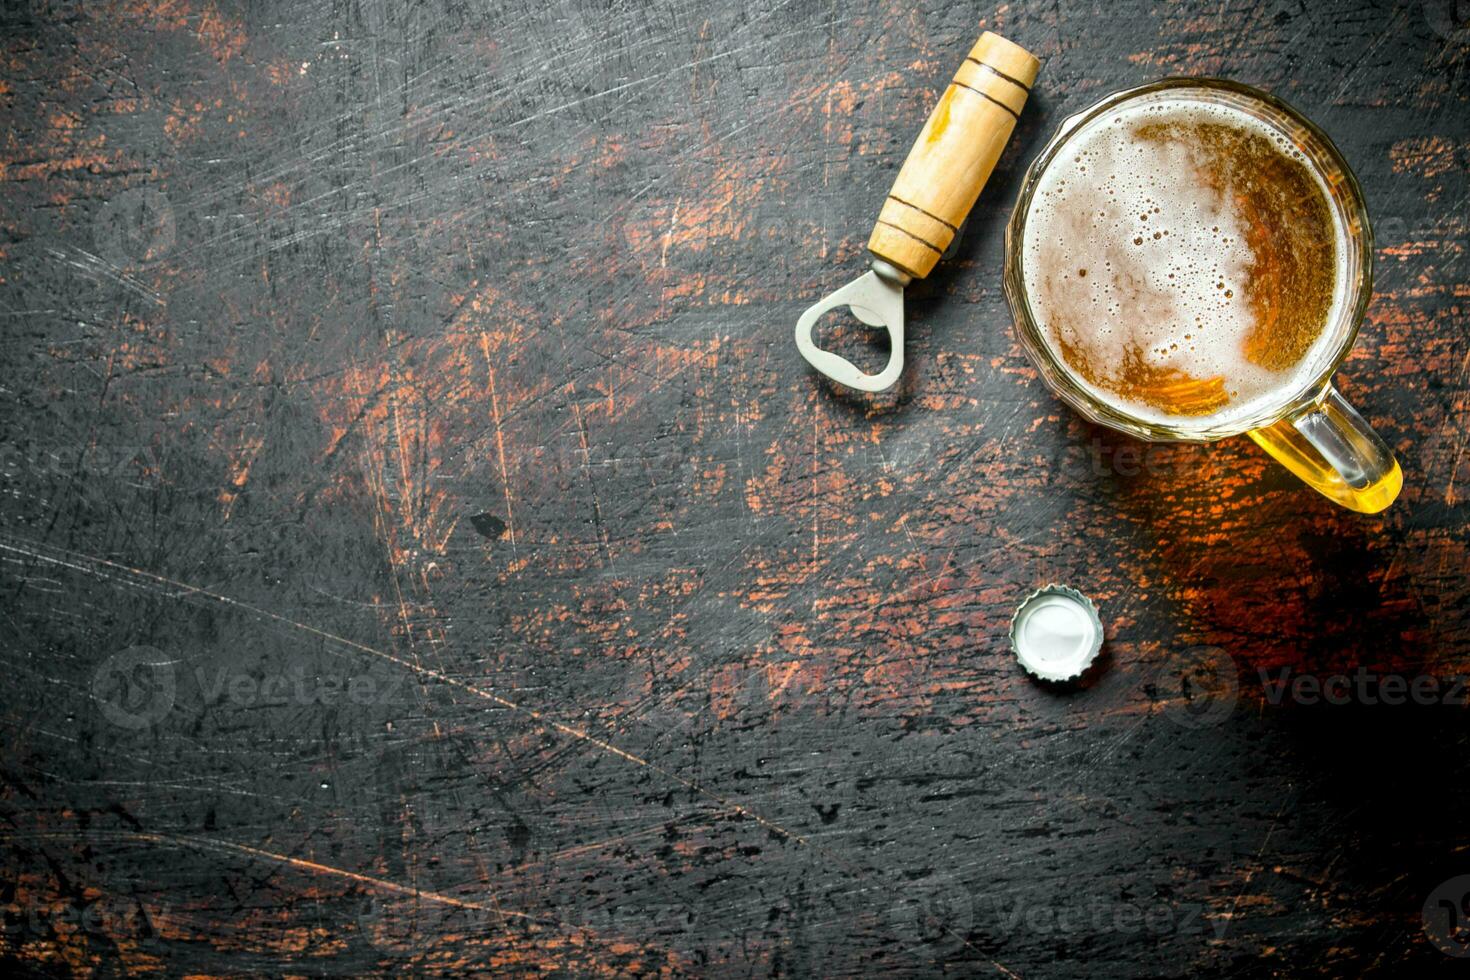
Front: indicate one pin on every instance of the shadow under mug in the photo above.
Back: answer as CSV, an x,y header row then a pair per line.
x,y
1307,425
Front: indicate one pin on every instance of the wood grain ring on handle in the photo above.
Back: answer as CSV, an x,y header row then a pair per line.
x,y
982,80
996,71
917,223
904,231
927,214
987,95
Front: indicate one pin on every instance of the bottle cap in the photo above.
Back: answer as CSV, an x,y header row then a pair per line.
x,y
1056,633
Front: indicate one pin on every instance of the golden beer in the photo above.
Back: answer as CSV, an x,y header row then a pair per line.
x,y
1190,260
1182,258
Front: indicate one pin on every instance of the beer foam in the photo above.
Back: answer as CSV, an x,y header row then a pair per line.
x,y
1136,266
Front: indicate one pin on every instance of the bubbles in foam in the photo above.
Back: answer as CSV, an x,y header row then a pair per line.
x,y
1140,269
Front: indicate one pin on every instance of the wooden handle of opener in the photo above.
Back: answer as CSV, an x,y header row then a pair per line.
x,y
954,155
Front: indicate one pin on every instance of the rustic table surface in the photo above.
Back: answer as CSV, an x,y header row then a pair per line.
x,y
422,549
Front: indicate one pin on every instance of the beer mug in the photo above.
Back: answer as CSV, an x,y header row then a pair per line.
x,y
1190,260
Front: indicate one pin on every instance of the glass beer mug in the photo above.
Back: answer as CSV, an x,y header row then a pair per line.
x,y
1190,260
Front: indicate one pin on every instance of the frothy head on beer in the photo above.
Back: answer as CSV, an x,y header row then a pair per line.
x,y
1181,259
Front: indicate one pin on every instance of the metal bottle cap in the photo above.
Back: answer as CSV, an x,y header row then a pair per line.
x,y
1056,633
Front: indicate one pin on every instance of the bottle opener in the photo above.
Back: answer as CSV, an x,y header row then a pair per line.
x,y
933,193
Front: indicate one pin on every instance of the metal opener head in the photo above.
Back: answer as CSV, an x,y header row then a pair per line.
x,y
876,298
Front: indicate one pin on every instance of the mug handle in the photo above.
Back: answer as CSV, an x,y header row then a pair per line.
x,y
1328,445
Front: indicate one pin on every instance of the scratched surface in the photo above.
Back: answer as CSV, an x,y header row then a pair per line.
x,y
423,551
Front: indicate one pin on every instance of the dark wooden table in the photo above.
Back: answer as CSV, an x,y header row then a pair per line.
x,y
423,550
